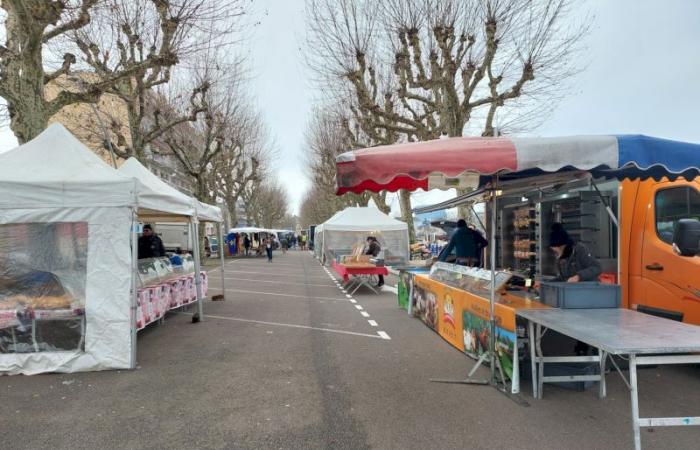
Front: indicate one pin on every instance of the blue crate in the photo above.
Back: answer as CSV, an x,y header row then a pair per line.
x,y
584,295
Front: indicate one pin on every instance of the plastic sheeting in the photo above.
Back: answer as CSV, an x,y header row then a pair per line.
x,y
394,244
63,260
42,280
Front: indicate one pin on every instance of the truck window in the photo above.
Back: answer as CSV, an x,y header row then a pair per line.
x,y
672,205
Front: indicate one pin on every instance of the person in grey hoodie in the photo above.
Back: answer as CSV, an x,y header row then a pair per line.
x,y
575,262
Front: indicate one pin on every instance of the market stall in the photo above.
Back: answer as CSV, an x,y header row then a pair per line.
x,y
583,184
256,235
351,227
68,275
160,284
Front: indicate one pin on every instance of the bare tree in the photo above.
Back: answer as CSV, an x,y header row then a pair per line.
x,y
129,33
272,205
421,69
34,29
239,167
325,139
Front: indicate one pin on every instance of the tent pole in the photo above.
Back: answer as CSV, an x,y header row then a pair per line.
x,y
492,302
221,258
134,287
194,223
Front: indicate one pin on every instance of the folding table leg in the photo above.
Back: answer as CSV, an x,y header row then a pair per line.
x,y
635,402
36,344
533,356
540,377
602,393
82,332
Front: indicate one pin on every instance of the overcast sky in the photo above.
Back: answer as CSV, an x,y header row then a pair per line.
x,y
643,77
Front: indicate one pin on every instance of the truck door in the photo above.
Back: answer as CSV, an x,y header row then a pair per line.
x,y
671,283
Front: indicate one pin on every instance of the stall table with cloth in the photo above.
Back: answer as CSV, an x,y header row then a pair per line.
x,y
358,274
645,339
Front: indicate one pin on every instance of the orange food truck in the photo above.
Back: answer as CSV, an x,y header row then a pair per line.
x,y
655,278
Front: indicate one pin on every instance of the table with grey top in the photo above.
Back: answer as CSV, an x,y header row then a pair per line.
x,y
644,339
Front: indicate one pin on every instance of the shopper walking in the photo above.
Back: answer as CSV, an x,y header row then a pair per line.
x,y
268,249
246,245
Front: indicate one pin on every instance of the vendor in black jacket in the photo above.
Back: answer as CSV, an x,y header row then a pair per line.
x,y
150,245
574,261
467,244
373,248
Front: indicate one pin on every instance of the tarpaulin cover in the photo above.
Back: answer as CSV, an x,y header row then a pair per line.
x,y
446,163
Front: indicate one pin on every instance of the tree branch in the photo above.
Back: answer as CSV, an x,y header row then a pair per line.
x,y
80,21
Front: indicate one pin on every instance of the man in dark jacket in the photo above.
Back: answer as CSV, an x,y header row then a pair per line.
x,y
373,249
150,245
467,244
574,261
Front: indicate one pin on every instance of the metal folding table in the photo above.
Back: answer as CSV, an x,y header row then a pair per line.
x,y
644,339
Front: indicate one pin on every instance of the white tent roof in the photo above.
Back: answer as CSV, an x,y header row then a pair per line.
x,y
363,219
55,169
209,213
179,203
249,230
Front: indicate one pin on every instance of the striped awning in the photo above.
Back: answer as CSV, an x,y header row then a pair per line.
x,y
464,162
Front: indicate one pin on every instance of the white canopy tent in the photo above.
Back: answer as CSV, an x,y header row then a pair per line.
x,y
352,226
66,214
197,211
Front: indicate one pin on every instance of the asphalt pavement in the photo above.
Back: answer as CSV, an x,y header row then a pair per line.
x,y
290,361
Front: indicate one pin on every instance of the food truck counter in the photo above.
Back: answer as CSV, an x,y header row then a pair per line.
x,y
454,302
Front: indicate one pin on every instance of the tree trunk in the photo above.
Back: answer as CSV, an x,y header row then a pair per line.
x,y
380,202
201,194
406,213
28,115
23,77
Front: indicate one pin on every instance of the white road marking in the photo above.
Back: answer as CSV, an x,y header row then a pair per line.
x,y
348,295
383,335
393,289
335,299
364,313
358,307
372,322
265,264
275,282
352,300
277,274
290,325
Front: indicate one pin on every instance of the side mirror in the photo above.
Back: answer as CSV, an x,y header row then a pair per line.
x,y
686,237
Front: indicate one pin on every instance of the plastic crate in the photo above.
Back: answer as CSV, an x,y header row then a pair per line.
x,y
584,295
